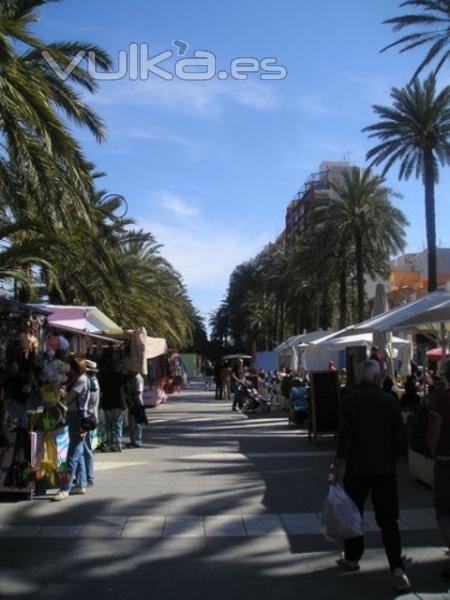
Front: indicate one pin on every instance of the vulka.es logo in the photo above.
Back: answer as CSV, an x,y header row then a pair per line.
x,y
137,63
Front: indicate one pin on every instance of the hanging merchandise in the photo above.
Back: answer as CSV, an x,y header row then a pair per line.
x,y
53,377
138,360
15,463
52,448
56,342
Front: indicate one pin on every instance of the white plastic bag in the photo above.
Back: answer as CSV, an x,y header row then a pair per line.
x,y
341,519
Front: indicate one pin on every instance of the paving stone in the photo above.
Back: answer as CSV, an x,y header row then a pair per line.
x,y
137,527
263,524
184,526
223,526
109,521
103,527
301,524
18,531
59,531
417,519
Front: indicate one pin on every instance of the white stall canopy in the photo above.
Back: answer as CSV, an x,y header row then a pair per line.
x,y
290,352
432,308
320,352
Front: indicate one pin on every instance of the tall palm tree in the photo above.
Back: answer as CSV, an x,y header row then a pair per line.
x,y
35,102
416,133
433,22
365,222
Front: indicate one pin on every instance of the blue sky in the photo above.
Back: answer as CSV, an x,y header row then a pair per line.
x,y
209,167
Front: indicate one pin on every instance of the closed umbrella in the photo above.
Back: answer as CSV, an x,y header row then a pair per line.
x,y
383,339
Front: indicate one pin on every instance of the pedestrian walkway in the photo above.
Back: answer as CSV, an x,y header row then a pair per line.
x,y
239,525
215,506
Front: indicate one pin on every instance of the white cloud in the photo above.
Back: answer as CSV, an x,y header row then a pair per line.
x,y
314,105
205,97
159,136
175,205
204,252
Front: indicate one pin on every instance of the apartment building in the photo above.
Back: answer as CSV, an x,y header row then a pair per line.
x,y
317,186
408,279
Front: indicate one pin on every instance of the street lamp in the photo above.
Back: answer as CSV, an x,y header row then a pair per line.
x,y
122,202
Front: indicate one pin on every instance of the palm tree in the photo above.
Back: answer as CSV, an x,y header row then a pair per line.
x,y
434,24
36,102
416,133
365,223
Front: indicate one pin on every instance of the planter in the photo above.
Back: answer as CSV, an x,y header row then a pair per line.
x,y
421,467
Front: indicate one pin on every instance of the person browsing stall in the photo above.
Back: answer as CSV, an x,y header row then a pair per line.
x,y
76,400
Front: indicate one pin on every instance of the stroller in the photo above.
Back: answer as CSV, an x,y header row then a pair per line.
x,y
252,400
299,404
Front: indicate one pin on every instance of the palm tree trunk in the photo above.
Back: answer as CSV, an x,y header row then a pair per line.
x,y
343,295
277,319
430,218
282,320
359,275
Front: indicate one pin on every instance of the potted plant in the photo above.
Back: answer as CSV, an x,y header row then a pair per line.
x,y
419,456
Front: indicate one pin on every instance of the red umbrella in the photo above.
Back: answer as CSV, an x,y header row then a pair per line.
x,y
435,354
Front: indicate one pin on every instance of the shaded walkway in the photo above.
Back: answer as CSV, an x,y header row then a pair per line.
x,y
215,506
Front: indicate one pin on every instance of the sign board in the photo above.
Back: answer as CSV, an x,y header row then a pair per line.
x,y
324,404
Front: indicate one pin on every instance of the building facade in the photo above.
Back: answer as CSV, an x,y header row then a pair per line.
x,y
316,187
408,279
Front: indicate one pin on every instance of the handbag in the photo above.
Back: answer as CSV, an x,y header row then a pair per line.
x,y
139,414
89,423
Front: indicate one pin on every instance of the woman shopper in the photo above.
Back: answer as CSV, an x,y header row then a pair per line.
x,y
227,374
112,403
92,413
76,401
136,410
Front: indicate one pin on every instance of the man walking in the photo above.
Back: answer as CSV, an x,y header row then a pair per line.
x,y
238,382
440,409
218,367
209,372
371,440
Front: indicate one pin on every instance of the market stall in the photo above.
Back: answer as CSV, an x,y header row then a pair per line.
x,y
84,326
28,418
336,347
289,352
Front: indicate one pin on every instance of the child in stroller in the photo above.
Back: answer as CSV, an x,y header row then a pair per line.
x,y
253,401
299,403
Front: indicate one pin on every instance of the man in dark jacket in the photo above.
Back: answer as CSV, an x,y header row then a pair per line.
x,y
440,407
371,440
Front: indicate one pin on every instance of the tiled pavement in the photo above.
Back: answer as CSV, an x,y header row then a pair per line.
x,y
238,525
216,506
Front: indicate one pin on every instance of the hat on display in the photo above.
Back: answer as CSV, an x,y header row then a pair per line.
x,y
91,365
